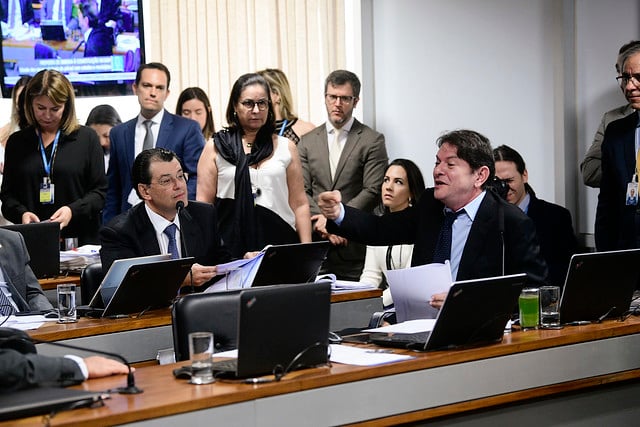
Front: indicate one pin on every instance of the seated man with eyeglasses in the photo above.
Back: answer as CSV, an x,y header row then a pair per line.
x,y
156,227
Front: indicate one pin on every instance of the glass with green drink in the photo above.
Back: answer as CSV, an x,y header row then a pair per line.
x,y
529,304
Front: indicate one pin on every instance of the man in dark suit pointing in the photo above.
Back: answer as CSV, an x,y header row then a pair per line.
x,y
488,237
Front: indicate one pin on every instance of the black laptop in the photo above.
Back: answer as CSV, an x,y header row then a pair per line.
x,y
475,312
280,328
144,286
45,400
52,30
599,285
43,243
292,263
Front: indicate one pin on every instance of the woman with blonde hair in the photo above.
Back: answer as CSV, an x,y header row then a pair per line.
x,y
54,167
288,124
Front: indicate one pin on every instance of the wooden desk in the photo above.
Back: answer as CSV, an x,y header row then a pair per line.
x,y
51,283
139,339
524,367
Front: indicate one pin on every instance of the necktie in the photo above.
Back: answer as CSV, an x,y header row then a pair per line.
x,y
170,232
443,248
334,153
6,308
148,138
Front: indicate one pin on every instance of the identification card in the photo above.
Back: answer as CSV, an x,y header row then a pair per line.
x,y
632,193
46,192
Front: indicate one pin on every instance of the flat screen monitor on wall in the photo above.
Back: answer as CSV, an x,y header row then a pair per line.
x,y
98,52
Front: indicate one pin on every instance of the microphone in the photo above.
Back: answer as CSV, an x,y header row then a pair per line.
x,y
131,382
185,252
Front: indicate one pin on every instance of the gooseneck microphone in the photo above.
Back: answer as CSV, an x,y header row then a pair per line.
x,y
131,382
185,252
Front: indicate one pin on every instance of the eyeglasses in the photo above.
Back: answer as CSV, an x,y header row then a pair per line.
x,y
165,181
625,78
250,104
332,99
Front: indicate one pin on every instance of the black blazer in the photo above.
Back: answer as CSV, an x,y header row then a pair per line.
x,y
615,221
554,229
497,224
131,234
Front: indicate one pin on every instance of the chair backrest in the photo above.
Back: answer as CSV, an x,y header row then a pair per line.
x,y
90,280
215,312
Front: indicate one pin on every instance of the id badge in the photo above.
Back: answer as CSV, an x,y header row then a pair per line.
x,y
46,192
632,193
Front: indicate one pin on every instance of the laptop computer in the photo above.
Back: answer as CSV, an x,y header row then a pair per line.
x,y
475,312
43,243
45,400
599,285
51,30
114,277
280,328
292,263
146,286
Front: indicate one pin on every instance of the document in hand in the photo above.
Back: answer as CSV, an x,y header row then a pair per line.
x,y
412,288
239,274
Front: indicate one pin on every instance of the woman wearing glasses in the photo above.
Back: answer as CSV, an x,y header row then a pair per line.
x,y
254,176
401,188
55,167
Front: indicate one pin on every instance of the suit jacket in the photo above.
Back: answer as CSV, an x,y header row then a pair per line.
x,y
131,234
99,42
14,260
18,371
498,225
359,174
554,229
26,11
183,136
615,226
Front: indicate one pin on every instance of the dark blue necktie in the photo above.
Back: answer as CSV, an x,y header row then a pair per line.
x,y
443,247
170,231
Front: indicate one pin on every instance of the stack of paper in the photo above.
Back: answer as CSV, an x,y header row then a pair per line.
x,y
79,258
343,285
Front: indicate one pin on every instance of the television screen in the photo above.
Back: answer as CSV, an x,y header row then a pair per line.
x,y
97,45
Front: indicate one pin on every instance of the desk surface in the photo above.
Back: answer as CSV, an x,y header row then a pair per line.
x,y
52,282
432,384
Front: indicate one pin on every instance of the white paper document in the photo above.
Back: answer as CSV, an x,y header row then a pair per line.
x,y
408,327
364,356
238,274
26,323
343,285
412,288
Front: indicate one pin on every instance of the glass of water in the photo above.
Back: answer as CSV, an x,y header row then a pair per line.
x,y
201,354
549,307
67,303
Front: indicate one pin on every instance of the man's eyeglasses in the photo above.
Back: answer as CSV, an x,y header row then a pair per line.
x,y
165,181
250,104
332,99
625,78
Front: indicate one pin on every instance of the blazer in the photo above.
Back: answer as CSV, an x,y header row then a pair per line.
x,y
498,228
99,42
615,226
180,135
359,172
131,234
18,370
554,229
14,260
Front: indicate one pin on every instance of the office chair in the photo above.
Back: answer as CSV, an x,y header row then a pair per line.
x,y
90,280
44,51
215,312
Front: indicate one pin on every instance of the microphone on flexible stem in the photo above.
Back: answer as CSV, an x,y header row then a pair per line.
x,y
131,382
185,253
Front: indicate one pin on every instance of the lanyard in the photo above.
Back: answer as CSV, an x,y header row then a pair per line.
x,y
284,125
48,164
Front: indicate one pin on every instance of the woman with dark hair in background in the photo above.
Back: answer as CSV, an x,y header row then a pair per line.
x,y
288,124
402,187
193,103
55,168
101,119
254,176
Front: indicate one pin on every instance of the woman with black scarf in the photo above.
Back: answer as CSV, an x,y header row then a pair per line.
x,y
253,176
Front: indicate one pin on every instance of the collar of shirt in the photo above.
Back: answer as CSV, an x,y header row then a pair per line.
x,y
524,204
159,224
141,130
